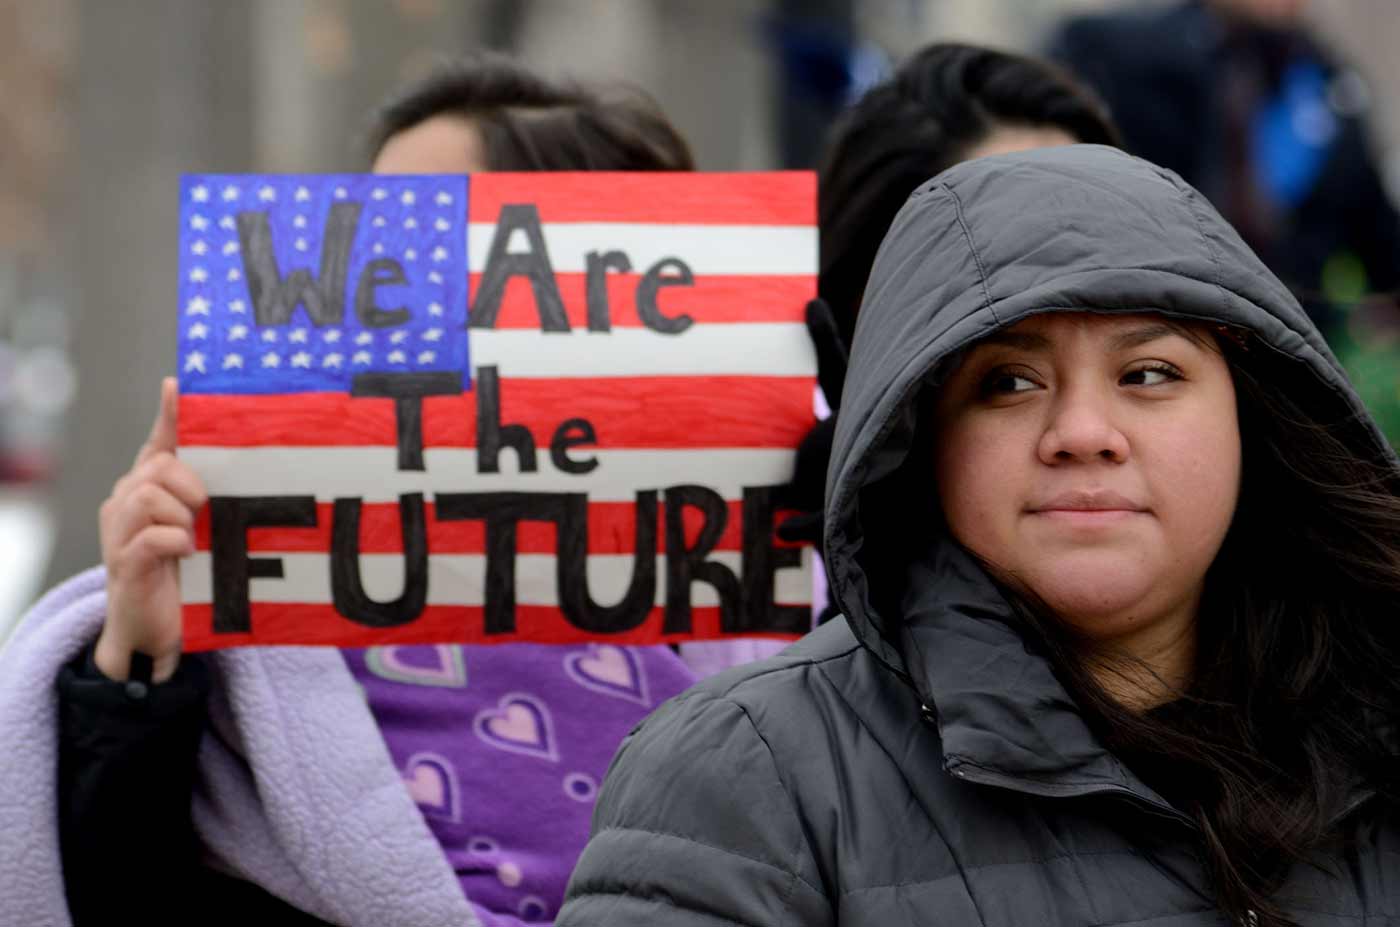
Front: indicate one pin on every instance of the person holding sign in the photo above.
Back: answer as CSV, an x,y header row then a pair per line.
x,y
303,801
1117,548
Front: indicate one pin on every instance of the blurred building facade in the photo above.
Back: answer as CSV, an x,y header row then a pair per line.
x,y
140,91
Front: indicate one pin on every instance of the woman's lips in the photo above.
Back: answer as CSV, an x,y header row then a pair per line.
x,y
1087,507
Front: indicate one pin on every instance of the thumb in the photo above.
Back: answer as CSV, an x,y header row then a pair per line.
x,y
164,432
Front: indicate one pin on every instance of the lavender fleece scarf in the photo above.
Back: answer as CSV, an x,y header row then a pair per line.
x,y
296,790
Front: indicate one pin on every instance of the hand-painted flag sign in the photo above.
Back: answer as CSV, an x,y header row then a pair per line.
x,y
589,452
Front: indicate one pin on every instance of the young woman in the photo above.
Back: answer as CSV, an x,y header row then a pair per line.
x,y
1117,549
310,762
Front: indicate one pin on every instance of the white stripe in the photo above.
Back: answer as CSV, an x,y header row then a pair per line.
x,y
460,579
371,472
705,249
776,349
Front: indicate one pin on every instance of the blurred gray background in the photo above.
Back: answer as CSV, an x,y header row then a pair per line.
x,y
107,102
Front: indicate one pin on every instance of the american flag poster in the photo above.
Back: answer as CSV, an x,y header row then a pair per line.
x,y
493,408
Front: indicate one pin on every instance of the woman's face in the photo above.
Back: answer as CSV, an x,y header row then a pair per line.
x,y
1096,459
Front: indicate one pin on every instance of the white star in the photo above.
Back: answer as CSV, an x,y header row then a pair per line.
x,y
378,248
444,199
198,223
301,359
340,193
227,223
230,247
427,357
434,308
361,357
194,361
330,335
233,360
298,336
267,194
378,222
410,255
398,337
238,333
269,334
230,193
407,198
379,193
270,359
238,306
199,247
364,338
199,275
439,254
299,222
198,331
442,225
434,277
303,194
432,334
410,223
397,357
300,244
331,360
200,194
197,306
234,274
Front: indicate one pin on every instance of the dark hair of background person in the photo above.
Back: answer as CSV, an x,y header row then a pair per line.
x,y
532,123
1290,715
935,108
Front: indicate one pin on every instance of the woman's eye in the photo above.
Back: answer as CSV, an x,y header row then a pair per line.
x,y
1152,376
1003,381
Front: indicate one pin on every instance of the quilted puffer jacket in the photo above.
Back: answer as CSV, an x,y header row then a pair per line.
x,y
915,763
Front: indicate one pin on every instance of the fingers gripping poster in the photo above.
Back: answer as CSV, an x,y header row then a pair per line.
x,y
492,408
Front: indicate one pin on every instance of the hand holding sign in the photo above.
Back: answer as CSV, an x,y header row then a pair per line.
x,y
147,525
591,452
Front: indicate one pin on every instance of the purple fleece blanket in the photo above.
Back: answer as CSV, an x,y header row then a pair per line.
x,y
296,792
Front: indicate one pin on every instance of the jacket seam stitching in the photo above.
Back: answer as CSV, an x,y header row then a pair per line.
x,y
972,248
1030,861
690,838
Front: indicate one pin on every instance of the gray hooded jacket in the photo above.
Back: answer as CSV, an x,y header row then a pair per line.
x,y
914,764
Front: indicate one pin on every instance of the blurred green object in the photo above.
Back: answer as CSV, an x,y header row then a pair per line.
x,y
1367,340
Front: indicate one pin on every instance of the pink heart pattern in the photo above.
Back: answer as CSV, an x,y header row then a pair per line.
x,y
610,670
518,724
446,667
432,783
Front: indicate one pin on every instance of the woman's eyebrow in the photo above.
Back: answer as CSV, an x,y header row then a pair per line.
x,y
1026,341
1137,337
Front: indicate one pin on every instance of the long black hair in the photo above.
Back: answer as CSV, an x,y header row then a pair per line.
x,y
1286,727
532,123
937,106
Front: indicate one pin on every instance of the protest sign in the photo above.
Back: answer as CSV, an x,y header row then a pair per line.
x,y
504,407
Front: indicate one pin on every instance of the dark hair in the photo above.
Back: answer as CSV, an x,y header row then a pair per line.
x,y
1290,709
925,118
530,123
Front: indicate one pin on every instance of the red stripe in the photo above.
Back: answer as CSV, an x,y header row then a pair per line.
x,y
611,530
277,623
713,299
775,198
641,412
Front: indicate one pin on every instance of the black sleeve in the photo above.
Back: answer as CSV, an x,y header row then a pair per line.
x,y
126,768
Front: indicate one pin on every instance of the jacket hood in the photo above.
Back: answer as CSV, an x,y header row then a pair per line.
x,y
987,243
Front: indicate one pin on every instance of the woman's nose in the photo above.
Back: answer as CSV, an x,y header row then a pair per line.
x,y
1082,426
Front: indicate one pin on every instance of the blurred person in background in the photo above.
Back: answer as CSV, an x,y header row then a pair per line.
x,y
947,103
166,759
1239,99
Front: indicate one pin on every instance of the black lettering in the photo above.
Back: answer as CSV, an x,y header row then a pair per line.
x,y
572,433
575,600
347,588
379,272
596,290
230,567
685,565
407,390
275,298
533,265
762,559
651,282
503,512
491,435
